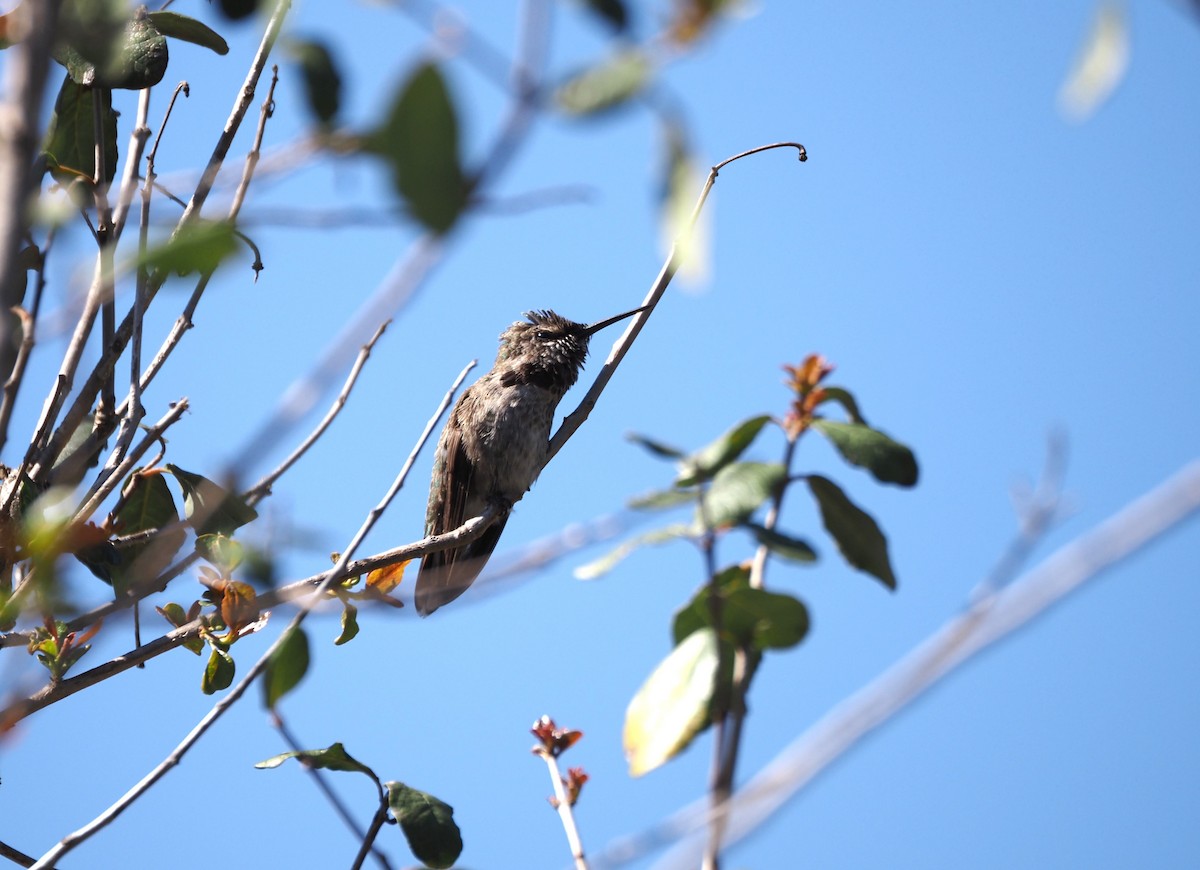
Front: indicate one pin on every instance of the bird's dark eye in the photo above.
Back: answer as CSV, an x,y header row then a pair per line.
x,y
542,335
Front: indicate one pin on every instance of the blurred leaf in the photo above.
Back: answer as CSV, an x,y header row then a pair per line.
x,y
285,668
236,10
693,18
138,61
1101,65
657,448
612,11
146,503
322,81
175,614
219,673
672,706
90,35
738,491
610,560
857,536
178,26
705,463
239,605
844,398
428,825
71,141
605,86
749,617
200,246
889,461
387,578
220,550
785,546
209,508
683,177
661,499
419,140
349,624
334,758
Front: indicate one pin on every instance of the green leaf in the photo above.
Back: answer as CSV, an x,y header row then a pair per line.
x,y
419,140
200,246
428,825
90,36
218,674
657,448
749,617
661,499
705,463
220,550
178,26
610,560
322,81
605,86
335,757
209,508
285,668
612,11
857,535
71,141
672,706
349,624
737,492
146,504
844,398
785,546
138,59
889,461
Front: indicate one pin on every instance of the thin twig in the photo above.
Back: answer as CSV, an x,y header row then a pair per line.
x,y
621,346
562,803
333,575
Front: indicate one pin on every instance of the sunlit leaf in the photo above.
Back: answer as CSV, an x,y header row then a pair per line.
x,y
387,578
683,178
285,668
604,87
419,140
335,757
239,605
349,624
738,490
1101,65
428,825
182,27
856,534
672,706
705,463
219,672
221,550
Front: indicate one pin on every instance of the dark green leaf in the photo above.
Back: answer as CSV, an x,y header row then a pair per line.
x,y
143,59
219,673
889,461
236,10
661,499
90,36
322,81
857,535
209,508
705,463
334,758
657,448
612,11
672,706
419,140
788,547
428,825
737,492
200,246
71,141
749,617
349,624
694,615
178,26
285,668
844,398
147,504
605,86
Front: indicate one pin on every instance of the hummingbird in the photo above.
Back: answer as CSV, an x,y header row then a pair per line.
x,y
496,441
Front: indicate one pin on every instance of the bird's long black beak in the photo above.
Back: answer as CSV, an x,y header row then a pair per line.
x,y
593,328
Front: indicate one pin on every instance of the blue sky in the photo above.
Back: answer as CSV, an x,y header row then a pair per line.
x,y
982,270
